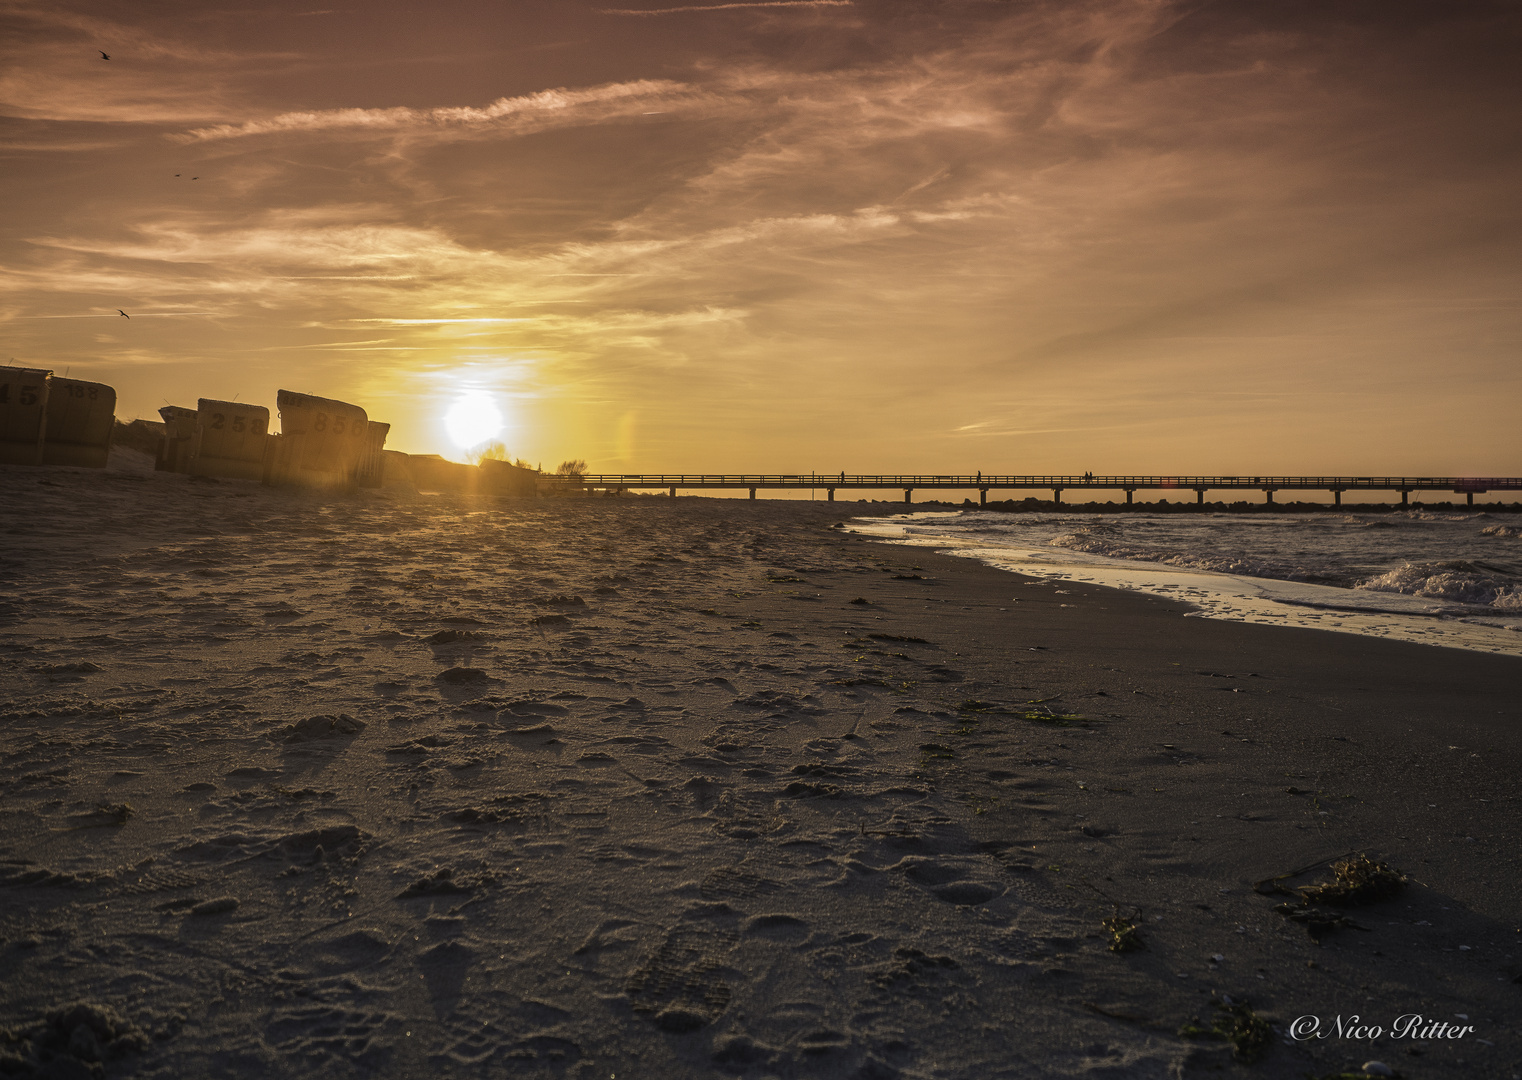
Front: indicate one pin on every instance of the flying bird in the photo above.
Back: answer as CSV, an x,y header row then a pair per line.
x,y
103,54
123,314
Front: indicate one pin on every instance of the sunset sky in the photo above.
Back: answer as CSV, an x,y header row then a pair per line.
x,y
870,235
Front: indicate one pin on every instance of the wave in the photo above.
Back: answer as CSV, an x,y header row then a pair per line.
x,y
1459,582
1365,522
1092,541
1428,515
1467,583
1501,530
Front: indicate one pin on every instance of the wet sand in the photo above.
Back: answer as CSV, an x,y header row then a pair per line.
x,y
398,785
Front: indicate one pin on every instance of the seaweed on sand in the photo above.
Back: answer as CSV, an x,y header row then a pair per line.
x,y
1234,1022
1036,712
1125,933
1052,719
1356,882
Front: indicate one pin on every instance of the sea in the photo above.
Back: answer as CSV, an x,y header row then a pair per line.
x,y
1447,579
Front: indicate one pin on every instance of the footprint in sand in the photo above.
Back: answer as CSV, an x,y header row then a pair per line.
x,y
420,747
777,925
325,1033
321,729
678,985
705,791
914,966
445,967
946,881
532,730
741,1052
252,773
968,893
734,883
641,744
352,951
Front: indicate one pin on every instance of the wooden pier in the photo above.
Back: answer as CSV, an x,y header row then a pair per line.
x,y
1469,486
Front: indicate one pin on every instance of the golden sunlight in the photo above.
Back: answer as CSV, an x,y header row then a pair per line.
x,y
473,419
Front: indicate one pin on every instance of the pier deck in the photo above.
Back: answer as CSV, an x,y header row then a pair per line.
x,y
1469,486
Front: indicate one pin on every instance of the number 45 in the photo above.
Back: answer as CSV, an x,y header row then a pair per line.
x,y
26,395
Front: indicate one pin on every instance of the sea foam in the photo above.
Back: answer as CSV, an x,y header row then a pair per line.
x,y
1457,582
1439,578
1092,541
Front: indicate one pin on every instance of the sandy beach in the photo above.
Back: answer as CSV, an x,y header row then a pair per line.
x,y
398,785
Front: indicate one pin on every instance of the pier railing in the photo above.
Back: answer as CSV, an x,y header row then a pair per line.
x,y
984,483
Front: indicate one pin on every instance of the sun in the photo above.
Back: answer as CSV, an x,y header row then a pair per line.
x,y
473,419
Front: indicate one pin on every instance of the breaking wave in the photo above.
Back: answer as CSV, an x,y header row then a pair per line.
x,y
1430,515
1438,579
1469,583
1458,582
1093,541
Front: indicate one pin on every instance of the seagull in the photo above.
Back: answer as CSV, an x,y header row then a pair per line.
x,y
103,55
123,314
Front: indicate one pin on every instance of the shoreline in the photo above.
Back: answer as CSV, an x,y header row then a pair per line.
x,y
1163,506
639,785
1223,595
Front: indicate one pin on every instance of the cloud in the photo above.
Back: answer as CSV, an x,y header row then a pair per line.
x,y
1001,221
285,269
528,112
484,320
51,68
985,430
728,7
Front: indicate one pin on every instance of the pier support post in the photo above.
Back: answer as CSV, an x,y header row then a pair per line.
x,y
752,493
1270,493
673,493
832,493
1470,496
907,493
1405,496
982,496
1057,496
1337,496
1129,492
1199,496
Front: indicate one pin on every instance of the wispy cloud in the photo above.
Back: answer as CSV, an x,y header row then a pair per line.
x,y
433,322
1019,224
118,315
728,7
560,106
51,68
